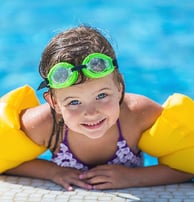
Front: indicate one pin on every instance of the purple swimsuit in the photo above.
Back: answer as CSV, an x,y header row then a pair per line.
x,y
123,155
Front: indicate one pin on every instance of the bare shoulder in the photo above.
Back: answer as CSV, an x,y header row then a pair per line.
x,y
144,109
37,123
139,102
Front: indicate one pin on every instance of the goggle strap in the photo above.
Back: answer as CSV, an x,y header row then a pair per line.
x,y
115,63
78,68
43,84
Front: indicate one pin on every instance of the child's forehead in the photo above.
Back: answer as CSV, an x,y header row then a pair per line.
x,y
89,85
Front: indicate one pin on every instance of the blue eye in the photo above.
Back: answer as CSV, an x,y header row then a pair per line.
x,y
75,102
101,96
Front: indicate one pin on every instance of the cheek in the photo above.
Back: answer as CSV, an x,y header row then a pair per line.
x,y
70,117
112,108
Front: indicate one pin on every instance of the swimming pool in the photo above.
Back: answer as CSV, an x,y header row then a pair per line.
x,y
154,41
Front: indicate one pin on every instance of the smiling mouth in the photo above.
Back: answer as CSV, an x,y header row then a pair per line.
x,y
93,125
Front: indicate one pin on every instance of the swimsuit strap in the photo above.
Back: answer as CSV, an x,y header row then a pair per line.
x,y
65,136
120,131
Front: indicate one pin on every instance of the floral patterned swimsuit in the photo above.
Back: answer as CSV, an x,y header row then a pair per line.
x,y
123,155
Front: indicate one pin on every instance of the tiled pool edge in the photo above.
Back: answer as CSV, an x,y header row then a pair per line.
x,y
19,189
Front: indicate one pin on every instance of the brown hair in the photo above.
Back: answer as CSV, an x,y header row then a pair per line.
x,y
73,46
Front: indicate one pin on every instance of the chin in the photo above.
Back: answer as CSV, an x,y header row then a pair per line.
x,y
94,136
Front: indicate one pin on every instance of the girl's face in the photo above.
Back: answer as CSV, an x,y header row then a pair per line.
x,y
90,108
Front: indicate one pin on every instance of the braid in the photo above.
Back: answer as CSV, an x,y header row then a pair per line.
x,y
57,131
53,129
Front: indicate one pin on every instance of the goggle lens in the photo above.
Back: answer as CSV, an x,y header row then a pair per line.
x,y
97,65
60,75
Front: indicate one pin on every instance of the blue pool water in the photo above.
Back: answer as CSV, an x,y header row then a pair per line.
x,y
154,41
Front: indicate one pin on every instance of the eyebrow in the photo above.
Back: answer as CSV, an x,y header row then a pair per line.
x,y
70,97
75,97
102,89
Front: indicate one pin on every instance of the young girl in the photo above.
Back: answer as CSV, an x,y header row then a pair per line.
x,y
91,125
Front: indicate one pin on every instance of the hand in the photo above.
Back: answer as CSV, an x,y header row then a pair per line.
x,y
43,169
107,177
67,177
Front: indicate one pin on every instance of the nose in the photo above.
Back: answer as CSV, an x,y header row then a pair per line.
x,y
91,110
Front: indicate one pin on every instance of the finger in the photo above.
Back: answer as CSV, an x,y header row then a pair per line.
x,y
82,184
67,186
68,182
102,186
94,172
99,180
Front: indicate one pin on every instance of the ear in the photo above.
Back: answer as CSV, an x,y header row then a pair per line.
x,y
52,101
121,93
120,89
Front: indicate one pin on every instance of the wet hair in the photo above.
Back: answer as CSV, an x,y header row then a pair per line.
x,y
73,46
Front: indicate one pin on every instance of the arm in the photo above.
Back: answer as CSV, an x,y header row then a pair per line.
x,y
37,123
159,175
43,169
117,176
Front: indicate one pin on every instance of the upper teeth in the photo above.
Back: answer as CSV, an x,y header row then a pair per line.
x,y
93,124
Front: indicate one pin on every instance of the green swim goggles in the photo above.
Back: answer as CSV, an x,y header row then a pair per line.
x,y
63,74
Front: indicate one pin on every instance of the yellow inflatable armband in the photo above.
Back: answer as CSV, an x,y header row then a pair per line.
x,y
15,146
171,137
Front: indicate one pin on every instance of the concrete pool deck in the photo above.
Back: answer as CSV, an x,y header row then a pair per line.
x,y
19,189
